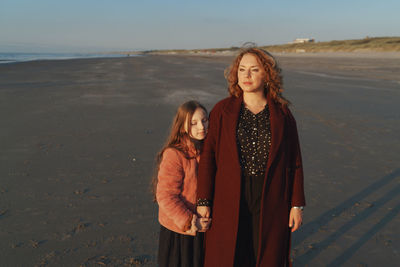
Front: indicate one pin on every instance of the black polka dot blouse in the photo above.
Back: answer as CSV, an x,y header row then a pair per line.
x,y
253,140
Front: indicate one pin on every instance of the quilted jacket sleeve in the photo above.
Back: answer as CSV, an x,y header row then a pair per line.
x,y
169,188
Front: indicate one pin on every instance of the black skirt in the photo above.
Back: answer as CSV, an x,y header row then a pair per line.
x,y
249,221
177,250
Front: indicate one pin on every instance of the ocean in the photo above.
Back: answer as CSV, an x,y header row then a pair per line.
x,y
22,57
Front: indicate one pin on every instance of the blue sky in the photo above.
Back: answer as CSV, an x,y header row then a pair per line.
x,y
110,25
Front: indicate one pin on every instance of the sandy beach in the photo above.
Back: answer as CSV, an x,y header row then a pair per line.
x,y
79,137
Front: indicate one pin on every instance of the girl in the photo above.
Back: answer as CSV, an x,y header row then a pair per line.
x,y
176,187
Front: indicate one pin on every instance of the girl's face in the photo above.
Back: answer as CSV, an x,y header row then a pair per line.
x,y
251,74
198,124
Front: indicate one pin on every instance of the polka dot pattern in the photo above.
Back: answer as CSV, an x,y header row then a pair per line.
x,y
253,135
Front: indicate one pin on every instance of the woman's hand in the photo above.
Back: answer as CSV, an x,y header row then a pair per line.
x,y
203,211
295,218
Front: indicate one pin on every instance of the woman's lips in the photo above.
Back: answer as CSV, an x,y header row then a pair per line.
x,y
248,83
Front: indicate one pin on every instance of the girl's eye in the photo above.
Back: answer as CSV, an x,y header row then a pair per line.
x,y
255,70
241,69
204,120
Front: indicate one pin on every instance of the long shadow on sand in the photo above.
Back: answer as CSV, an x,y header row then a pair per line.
x,y
342,258
312,227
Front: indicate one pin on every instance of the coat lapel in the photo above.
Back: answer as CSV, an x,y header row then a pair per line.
x,y
231,114
277,121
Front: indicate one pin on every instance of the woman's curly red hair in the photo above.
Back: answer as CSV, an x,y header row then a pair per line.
x,y
273,77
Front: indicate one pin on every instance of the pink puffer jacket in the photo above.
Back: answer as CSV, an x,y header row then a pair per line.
x,y
176,190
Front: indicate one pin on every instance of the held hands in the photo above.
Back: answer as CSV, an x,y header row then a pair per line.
x,y
295,218
203,211
203,224
199,224
204,220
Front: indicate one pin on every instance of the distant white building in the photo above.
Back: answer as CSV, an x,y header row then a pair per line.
x,y
302,41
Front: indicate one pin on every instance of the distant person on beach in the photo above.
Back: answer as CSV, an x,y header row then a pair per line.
x,y
181,240
250,173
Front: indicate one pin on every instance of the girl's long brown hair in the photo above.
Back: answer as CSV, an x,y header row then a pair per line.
x,y
273,78
178,137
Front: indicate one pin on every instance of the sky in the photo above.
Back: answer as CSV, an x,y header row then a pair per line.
x,y
126,25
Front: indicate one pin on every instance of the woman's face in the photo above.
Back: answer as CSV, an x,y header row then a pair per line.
x,y
251,74
198,124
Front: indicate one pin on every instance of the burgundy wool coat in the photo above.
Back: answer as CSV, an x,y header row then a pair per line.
x,y
219,180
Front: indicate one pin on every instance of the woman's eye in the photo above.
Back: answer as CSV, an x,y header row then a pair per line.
x,y
204,120
241,69
255,70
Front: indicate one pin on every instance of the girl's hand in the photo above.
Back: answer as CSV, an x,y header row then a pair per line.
x,y
203,211
295,218
193,228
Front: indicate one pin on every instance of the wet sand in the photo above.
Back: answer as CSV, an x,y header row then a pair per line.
x,y
78,139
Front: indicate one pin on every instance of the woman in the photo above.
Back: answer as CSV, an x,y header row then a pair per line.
x,y
175,186
250,174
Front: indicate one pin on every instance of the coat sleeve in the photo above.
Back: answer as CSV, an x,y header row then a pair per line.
x,y
297,196
169,189
207,164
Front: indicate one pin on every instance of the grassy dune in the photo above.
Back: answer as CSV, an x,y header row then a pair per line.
x,y
375,44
